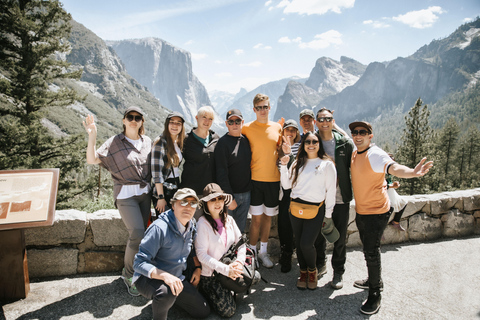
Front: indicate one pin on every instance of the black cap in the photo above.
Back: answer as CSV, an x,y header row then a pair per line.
x,y
234,113
363,124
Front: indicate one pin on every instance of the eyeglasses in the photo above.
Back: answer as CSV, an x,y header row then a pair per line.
x,y
311,141
359,132
130,118
260,108
217,199
193,203
236,121
175,123
322,119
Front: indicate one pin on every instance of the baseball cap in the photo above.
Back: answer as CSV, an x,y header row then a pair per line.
x,y
184,193
290,123
362,124
306,112
175,114
234,113
133,108
329,231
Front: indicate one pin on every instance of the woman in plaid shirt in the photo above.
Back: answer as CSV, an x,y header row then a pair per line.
x,y
166,159
127,157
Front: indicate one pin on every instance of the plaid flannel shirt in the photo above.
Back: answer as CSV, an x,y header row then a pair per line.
x,y
126,164
160,172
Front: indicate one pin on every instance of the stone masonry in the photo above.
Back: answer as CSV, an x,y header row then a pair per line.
x,y
80,242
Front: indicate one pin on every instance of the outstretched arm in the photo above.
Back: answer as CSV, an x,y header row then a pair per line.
x,y
91,128
402,171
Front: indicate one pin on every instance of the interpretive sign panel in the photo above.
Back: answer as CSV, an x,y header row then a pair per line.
x,y
27,198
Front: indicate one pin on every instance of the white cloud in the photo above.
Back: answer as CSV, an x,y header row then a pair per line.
x,y
252,64
467,20
239,52
269,2
261,46
420,19
376,24
198,56
288,40
189,42
223,75
323,40
315,6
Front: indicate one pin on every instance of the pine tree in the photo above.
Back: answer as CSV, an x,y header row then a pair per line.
x,y
446,153
416,138
33,36
469,152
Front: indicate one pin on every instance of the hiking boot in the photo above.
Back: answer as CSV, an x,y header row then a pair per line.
x,y
363,284
321,270
132,290
337,281
285,262
302,280
265,260
372,304
312,279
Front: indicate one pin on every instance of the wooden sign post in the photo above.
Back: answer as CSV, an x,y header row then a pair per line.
x,y
27,200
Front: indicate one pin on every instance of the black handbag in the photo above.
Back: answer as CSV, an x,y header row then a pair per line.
x,y
250,275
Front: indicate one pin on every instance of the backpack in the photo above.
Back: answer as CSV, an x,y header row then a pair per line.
x,y
251,276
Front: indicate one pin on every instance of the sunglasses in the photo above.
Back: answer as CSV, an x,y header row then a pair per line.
x,y
217,199
193,203
359,132
236,121
260,108
130,118
311,141
175,123
322,119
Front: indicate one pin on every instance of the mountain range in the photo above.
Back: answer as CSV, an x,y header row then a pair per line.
x,y
158,77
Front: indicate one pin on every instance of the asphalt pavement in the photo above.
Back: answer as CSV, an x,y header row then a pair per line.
x,y
435,280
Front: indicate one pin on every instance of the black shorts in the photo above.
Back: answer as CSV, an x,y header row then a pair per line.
x,y
264,194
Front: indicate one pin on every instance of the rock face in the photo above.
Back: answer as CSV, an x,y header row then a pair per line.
x,y
327,78
297,96
166,71
434,71
108,89
272,89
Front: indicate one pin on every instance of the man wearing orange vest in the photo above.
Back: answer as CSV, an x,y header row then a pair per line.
x,y
368,168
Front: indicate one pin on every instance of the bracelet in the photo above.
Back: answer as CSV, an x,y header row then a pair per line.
x,y
197,267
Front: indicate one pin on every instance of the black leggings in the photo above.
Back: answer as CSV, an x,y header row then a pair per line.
x,y
306,232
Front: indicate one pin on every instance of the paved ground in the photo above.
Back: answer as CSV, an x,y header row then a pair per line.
x,y
437,280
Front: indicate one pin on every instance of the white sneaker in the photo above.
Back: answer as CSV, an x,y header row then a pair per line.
x,y
265,259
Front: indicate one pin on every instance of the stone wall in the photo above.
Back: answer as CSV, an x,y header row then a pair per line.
x,y
80,242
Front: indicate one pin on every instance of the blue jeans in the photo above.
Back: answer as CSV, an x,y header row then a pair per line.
x,y
371,229
241,212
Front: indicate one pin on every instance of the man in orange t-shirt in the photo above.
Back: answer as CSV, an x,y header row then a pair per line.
x,y
368,168
264,136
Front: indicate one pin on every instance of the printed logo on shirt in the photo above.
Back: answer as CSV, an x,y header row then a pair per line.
x,y
342,153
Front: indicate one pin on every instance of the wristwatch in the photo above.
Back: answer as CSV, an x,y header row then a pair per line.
x,y
160,197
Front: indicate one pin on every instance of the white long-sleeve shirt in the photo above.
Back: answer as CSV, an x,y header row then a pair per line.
x,y
316,182
210,246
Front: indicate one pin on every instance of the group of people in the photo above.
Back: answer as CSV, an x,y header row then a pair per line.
x,y
203,186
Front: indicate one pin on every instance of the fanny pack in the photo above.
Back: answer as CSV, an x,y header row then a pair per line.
x,y
304,210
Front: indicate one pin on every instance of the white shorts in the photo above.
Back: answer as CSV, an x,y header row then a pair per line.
x,y
261,209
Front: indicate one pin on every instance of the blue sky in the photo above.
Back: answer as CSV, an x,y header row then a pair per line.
x,y
246,43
